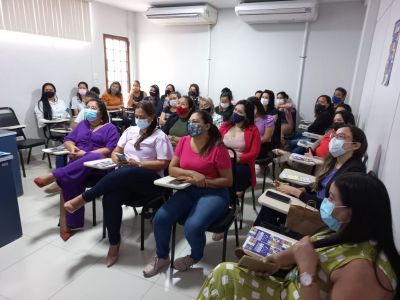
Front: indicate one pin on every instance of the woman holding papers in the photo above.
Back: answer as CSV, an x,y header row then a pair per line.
x,y
354,257
201,160
94,138
143,152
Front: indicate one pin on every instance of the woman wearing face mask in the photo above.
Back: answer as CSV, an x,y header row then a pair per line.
x,y
284,104
50,106
148,153
113,98
242,135
92,139
78,102
355,257
194,93
323,112
225,107
176,125
201,160
207,105
81,116
168,90
339,96
136,94
170,108
346,149
155,98
268,101
321,147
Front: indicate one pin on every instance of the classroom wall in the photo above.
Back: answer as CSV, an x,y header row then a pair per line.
x,y
27,61
250,57
380,109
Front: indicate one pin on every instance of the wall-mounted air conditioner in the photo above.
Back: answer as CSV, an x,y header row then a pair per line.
x,y
182,15
278,11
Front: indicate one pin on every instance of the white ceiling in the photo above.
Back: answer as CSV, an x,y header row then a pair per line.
x,y
142,5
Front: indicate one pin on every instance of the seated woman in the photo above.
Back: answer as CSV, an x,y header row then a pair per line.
x,y
206,104
346,149
201,160
225,107
242,135
113,98
170,107
136,94
81,116
176,125
92,139
268,101
320,148
323,112
265,125
77,102
354,258
148,153
194,94
285,105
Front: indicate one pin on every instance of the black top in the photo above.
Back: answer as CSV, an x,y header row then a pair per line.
x,y
169,123
225,114
322,122
352,165
138,98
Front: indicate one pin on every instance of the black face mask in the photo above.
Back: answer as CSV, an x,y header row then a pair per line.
x,y
153,94
337,125
49,94
193,94
167,92
207,109
319,108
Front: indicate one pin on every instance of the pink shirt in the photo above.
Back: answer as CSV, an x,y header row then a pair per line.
x,y
217,158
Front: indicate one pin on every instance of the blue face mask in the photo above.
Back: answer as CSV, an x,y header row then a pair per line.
x,y
336,147
336,99
194,129
325,211
90,114
236,118
142,123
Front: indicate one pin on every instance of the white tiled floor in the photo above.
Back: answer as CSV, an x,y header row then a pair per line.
x,y
42,266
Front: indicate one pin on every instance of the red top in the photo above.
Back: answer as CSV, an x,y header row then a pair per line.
x,y
208,165
323,148
253,143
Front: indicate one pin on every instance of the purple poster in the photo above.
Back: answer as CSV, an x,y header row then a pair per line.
x,y
392,54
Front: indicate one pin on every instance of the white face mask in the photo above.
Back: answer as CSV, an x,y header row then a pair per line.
x,y
264,101
173,103
280,101
224,105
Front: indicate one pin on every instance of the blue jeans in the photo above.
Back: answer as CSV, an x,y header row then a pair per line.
x,y
199,207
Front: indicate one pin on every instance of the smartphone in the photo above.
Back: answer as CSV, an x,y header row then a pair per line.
x,y
176,181
278,197
121,157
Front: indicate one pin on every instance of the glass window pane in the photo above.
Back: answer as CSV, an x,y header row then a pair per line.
x,y
109,43
124,76
111,65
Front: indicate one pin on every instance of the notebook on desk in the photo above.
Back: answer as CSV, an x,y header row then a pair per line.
x,y
261,242
304,179
171,182
101,164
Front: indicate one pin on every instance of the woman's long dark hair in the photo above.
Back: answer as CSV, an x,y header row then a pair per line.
x,y
213,133
77,93
347,117
249,111
119,94
46,108
257,103
148,108
271,101
102,109
330,107
371,218
330,161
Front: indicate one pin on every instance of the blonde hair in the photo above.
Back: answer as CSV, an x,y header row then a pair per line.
x,y
210,102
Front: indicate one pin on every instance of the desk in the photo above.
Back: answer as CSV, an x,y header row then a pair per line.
x,y
101,164
13,127
304,126
312,135
279,205
296,177
116,120
10,222
111,111
8,143
305,160
304,143
170,182
55,121
61,130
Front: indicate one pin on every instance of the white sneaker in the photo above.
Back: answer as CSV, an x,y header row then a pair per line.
x,y
184,263
155,267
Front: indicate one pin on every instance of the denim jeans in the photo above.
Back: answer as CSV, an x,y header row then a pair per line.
x,y
199,207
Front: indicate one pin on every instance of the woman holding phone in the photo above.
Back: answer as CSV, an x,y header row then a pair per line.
x,y
143,153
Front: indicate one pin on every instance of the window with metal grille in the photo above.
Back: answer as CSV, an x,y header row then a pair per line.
x,y
116,53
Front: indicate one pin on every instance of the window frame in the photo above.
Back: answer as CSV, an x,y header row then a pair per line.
x,y
119,38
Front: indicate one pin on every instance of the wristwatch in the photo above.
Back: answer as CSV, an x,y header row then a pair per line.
x,y
306,279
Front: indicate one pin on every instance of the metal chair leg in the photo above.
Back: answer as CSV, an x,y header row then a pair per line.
x,y
21,159
49,159
104,227
241,211
136,213
29,156
173,245
254,198
224,246
94,212
141,231
236,233
273,170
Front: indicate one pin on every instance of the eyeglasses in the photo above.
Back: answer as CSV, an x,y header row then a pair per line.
x,y
339,136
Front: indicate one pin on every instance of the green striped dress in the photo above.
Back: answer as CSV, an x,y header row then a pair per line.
x,y
229,281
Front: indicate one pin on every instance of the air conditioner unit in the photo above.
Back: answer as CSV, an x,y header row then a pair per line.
x,y
278,11
182,15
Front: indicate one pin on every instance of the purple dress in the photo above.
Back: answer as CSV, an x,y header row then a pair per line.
x,y
72,177
266,121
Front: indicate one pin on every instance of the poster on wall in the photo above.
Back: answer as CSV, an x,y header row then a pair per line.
x,y
392,54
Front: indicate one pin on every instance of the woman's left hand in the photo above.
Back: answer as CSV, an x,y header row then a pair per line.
x,y
305,255
132,162
285,188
